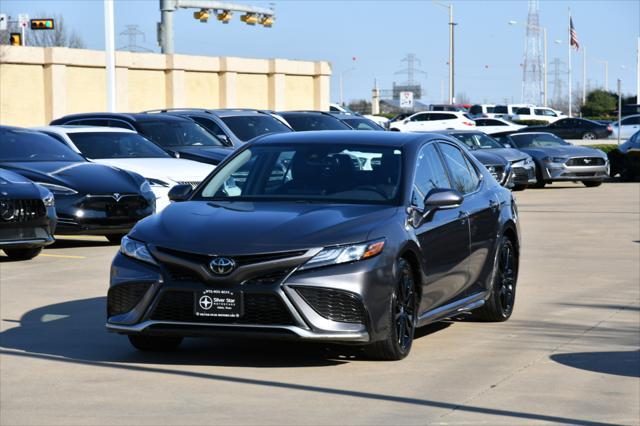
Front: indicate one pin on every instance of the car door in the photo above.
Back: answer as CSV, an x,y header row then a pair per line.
x,y
444,240
418,123
481,208
560,128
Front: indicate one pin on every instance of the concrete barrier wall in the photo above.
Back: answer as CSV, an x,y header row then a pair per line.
x,y
40,84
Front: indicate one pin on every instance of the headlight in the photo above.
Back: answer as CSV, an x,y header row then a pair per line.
x,y
345,254
157,182
48,200
554,159
58,189
145,187
136,250
524,162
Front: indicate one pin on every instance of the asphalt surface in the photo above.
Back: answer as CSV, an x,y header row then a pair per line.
x,y
569,355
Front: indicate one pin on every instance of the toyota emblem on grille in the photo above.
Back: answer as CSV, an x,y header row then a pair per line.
x,y
222,265
6,210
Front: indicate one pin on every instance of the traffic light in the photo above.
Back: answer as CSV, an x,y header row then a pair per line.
x,y
42,24
249,18
225,16
15,39
202,15
266,21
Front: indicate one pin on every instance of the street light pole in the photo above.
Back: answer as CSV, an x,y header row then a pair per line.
x,y
544,96
341,77
449,7
584,75
110,63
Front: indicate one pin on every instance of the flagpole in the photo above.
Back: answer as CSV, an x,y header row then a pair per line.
x,y
569,44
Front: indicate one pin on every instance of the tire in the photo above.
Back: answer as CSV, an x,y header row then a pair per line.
x,y
540,182
589,136
115,238
154,343
519,187
499,306
591,183
394,130
22,254
402,316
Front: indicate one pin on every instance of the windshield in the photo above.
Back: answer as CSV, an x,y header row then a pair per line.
x,y
362,124
327,173
477,140
170,134
116,145
20,145
304,122
249,127
537,140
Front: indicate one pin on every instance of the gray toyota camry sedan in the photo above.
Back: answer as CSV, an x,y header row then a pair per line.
x,y
342,237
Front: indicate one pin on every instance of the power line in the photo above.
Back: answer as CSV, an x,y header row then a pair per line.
x,y
133,32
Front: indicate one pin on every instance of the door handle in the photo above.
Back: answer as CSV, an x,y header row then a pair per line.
x,y
464,216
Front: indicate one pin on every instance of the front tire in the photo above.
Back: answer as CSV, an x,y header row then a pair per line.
x,y
519,187
154,343
22,254
589,136
591,183
402,318
499,305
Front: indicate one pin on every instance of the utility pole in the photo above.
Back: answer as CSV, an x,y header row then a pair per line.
x,y
638,72
557,80
452,24
619,109
110,52
223,11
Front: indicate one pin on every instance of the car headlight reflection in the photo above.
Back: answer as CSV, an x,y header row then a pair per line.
x,y
345,254
137,250
58,189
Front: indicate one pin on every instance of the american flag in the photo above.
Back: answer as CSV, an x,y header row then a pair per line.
x,y
573,35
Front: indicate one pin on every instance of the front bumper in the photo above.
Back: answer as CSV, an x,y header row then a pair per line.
x,y
29,233
562,172
346,305
524,175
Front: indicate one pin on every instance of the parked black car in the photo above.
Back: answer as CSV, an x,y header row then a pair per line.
x,y
302,121
90,198
179,136
233,126
358,122
331,250
625,159
574,128
557,160
27,216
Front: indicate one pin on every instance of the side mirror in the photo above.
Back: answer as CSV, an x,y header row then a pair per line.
x,y
225,139
507,145
180,192
437,199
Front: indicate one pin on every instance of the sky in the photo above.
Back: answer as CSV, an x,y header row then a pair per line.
x,y
366,40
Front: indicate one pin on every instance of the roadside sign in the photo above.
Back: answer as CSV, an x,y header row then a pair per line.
x,y
406,100
23,20
3,21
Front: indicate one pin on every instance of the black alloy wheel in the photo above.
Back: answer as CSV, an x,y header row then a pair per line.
x,y
499,305
403,318
22,254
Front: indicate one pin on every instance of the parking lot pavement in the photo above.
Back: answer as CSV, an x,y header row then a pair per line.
x,y
569,355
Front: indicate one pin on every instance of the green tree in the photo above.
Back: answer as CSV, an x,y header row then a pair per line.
x,y
599,103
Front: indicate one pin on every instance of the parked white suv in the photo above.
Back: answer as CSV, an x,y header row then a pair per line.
x,y
434,120
508,111
538,113
481,110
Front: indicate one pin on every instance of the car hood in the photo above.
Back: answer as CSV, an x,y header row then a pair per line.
x,y
565,151
237,228
509,154
83,177
488,158
170,170
15,186
206,154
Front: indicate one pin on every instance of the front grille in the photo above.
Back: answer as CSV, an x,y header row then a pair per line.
x,y
497,172
18,211
586,161
187,182
259,309
123,208
334,305
123,298
240,260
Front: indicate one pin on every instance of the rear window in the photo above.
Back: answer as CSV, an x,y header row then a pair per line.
x,y
248,127
501,109
443,117
308,122
178,133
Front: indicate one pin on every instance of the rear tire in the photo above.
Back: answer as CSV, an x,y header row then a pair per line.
x,y
499,306
591,183
402,316
22,254
154,343
519,187
589,136
115,238
540,182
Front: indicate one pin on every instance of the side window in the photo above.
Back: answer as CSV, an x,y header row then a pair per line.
x,y
476,109
210,125
539,111
630,121
480,123
420,117
120,124
524,111
464,177
334,109
430,174
495,123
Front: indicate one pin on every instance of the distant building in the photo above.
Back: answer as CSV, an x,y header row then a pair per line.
x,y
415,88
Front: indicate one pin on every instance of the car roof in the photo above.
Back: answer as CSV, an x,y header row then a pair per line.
x,y
394,139
453,131
131,117
308,112
225,112
83,129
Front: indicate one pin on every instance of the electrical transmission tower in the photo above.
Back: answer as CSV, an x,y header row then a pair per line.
x,y
133,33
532,75
411,70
